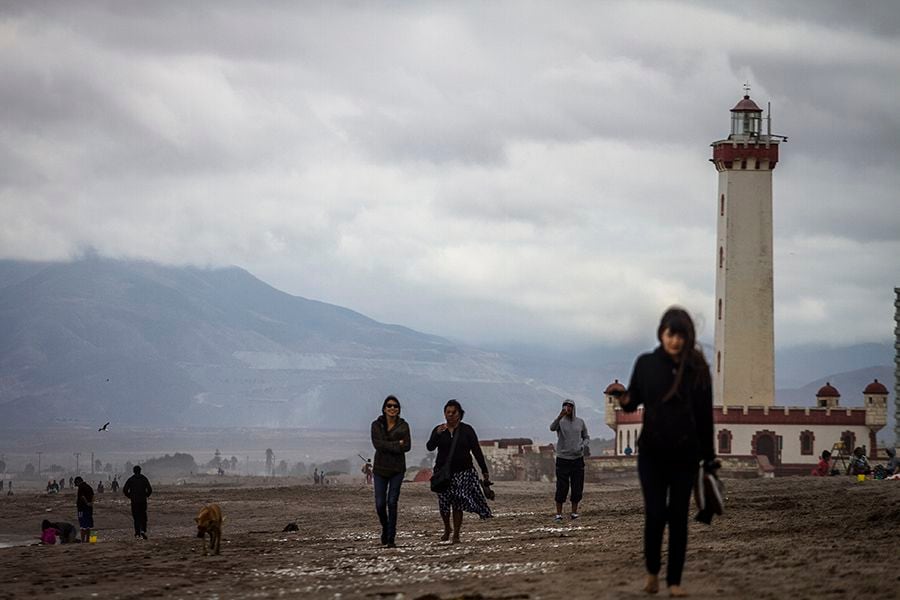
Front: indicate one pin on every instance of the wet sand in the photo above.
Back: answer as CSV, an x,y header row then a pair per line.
x,y
781,538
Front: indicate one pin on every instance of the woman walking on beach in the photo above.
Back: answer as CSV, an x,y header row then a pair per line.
x,y
457,443
390,436
673,384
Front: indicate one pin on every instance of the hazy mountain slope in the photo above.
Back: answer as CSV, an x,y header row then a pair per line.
x,y
140,343
143,343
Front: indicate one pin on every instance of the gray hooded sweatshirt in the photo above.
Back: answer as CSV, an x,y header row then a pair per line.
x,y
571,436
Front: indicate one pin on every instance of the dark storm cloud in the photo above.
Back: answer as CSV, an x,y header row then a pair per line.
x,y
505,158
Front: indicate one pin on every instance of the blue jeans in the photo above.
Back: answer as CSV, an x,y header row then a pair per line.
x,y
387,493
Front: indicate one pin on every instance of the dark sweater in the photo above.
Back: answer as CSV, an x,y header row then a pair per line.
x,y
84,498
390,454
466,447
137,488
681,428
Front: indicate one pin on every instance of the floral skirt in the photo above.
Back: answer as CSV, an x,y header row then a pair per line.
x,y
465,494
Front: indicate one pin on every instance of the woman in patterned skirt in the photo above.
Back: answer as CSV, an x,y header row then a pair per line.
x,y
465,492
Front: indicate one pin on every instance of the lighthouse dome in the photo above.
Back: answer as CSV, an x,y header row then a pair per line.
x,y
746,105
876,387
828,391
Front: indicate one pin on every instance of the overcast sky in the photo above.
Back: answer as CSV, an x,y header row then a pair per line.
x,y
496,172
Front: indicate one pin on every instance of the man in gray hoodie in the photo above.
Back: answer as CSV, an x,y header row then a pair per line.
x,y
571,448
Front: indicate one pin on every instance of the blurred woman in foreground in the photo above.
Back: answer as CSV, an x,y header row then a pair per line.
x,y
674,386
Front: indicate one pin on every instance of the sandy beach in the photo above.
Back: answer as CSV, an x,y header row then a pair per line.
x,y
791,537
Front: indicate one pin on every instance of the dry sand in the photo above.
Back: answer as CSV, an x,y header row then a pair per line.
x,y
782,538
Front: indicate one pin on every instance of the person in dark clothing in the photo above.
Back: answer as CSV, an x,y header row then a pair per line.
x,y
137,489
465,492
673,385
391,439
84,503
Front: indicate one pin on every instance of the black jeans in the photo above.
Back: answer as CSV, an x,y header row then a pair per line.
x,y
569,471
139,514
667,487
387,494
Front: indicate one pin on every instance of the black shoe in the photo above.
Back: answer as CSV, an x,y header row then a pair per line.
x,y
143,536
391,545
384,538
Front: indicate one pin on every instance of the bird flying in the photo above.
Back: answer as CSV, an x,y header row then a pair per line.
x,y
104,427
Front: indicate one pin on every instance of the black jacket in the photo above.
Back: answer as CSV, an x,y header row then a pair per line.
x,y
681,428
84,498
390,454
137,488
466,447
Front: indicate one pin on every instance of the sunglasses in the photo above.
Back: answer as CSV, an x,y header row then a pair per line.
x,y
392,406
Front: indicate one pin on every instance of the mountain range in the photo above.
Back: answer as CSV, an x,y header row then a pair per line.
x,y
138,343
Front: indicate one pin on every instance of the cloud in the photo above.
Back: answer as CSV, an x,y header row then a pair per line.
x,y
503,172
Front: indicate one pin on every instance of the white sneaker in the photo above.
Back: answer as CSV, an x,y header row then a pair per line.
x,y
557,518
574,516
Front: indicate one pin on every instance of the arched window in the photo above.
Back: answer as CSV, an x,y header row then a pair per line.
x,y
849,440
807,443
724,437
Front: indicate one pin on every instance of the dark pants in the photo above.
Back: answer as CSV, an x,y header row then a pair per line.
x,y
387,493
569,471
667,487
139,514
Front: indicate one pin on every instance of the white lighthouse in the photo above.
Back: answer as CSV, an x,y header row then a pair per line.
x,y
752,434
744,362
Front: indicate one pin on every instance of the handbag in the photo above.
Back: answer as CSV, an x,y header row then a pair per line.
x,y
709,493
440,479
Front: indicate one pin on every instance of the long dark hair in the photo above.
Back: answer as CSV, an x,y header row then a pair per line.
x,y
459,408
679,322
384,404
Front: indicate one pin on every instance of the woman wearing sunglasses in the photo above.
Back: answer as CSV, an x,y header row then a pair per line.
x,y
390,436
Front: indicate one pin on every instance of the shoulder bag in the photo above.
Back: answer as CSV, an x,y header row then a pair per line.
x,y
440,479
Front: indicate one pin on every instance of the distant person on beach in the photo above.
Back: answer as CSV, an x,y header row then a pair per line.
x,y
823,468
62,483
674,386
391,439
859,464
114,486
456,443
65,532
84,503
71,482
9,493
571,446
100,488
316,477
137,489
893,464
367,471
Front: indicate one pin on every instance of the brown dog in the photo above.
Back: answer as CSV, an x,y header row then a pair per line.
x,y
210,521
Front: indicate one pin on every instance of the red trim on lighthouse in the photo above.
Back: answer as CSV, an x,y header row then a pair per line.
x,y
777,415
728,153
